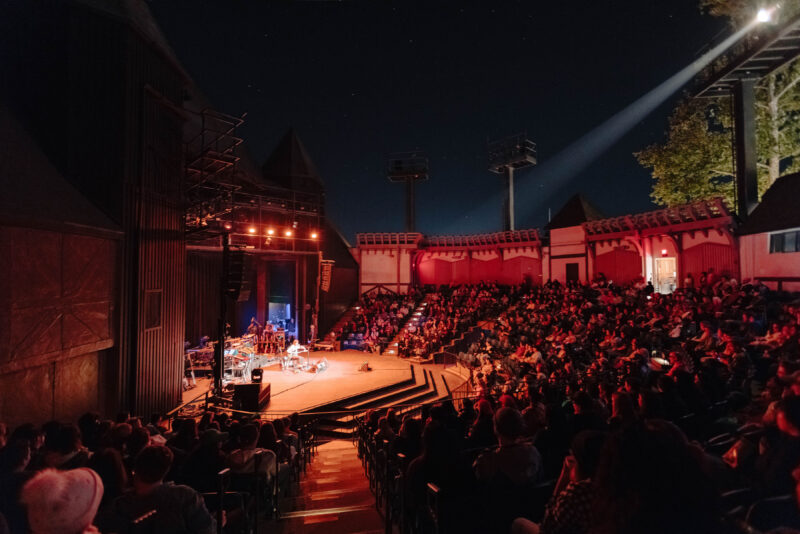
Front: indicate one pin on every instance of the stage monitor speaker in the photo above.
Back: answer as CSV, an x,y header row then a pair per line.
x,y
257,375
251,397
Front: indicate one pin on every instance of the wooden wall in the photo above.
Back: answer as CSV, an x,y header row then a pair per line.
x,y
57,295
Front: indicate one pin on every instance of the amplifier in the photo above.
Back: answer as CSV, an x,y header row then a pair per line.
x,y
251,397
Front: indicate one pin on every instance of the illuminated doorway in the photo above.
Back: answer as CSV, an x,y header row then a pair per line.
x,y
665,275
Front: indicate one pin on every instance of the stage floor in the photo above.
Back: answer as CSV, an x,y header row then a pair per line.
x,y
295,392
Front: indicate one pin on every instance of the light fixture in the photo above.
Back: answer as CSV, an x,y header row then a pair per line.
x,y
313,235
663,252
228,226
288,233
252,229
270,232
764,15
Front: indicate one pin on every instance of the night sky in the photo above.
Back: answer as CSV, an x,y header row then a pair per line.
x,y
361,80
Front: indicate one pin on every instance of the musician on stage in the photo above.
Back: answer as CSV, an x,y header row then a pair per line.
x,y
295,349
254,327
268,335
280,336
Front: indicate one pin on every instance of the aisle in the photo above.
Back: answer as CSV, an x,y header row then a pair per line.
x,y
334,496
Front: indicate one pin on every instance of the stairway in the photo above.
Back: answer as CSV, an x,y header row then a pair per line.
x,y
423,386
334,496
413,319
342,320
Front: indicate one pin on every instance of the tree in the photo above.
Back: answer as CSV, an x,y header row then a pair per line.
x,y
696,160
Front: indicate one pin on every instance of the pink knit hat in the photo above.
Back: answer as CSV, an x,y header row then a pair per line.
x,y
62,501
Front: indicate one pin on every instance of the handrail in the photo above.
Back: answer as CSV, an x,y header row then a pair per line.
x,y
172,413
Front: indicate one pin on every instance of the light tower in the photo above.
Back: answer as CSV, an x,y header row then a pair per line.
x,y
408,167
506,156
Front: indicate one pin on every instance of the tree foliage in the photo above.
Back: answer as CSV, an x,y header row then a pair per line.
x,y
696,160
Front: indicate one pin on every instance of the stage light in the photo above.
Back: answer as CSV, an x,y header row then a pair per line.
x,y
252,230
228,226
270,232
764,15
288,233
663,252
313,235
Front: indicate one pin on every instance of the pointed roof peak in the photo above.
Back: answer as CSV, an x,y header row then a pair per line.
x,y
576,211
290,166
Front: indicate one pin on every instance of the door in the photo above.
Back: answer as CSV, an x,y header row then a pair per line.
x,y
665,275
572,272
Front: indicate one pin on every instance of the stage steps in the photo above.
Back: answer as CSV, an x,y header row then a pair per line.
x,y
428,386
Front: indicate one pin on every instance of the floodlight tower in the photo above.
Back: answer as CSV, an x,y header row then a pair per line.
x,y
408,167
506,156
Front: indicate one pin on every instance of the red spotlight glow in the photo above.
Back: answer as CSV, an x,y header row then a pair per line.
x,y
288,233
270,232
228,226
313,235
252,230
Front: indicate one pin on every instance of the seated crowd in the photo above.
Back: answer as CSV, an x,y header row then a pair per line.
x,y
378,318
449,312
111,475
622,410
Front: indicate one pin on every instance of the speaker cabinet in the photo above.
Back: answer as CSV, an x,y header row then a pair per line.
x,y
251,397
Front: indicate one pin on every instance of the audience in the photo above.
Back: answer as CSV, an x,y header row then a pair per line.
x,y
635,411
164,505
611,381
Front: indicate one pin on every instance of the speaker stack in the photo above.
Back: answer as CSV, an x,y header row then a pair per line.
x,y
237,283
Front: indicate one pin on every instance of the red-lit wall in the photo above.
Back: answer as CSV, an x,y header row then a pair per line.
x,y
463,267
619,265
702,257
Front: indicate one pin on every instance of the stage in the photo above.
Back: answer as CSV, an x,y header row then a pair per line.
x,y
299,391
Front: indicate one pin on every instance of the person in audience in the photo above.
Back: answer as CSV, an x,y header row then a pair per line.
x,y
108,464
156,505
63,501
569,510
384,432
649,479
481,433
409,441
200,468
781,451
186,437
515,461
65,450
15,458
437,465
249,458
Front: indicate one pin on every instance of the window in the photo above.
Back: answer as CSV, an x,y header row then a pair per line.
x,y
152,309
784,242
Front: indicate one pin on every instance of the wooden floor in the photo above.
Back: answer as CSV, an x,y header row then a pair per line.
x,y
297,391
333,497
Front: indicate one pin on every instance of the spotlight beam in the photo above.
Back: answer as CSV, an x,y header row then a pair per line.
x,y
577,156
